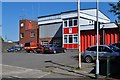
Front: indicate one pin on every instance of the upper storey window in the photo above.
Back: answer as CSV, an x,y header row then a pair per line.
x,y
70,23
65,23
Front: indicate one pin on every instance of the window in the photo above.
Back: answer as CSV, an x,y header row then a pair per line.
x,y
75,22
22,35
75,38
22,24
65,38
32,34
44,42
70,39
70,22
65,23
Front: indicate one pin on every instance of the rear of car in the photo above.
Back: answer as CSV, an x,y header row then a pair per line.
x,y
14,49
53,48
29,47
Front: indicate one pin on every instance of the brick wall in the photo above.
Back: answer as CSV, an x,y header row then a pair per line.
x,y
28,27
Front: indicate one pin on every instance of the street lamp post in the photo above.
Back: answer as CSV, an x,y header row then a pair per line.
x,y
97,42
103,34
79,47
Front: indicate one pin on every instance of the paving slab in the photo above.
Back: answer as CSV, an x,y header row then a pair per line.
x,y
19,72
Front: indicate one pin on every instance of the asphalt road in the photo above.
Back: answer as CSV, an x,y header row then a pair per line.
x,y
37,61
30,65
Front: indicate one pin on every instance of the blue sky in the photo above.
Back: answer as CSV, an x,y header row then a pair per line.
x,y
11,12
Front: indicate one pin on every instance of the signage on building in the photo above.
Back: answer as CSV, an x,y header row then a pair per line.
x,y
70,30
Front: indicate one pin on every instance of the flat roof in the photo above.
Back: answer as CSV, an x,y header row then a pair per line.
x,y
64,12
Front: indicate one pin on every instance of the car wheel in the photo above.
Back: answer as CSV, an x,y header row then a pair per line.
x,y
88,59
16,50
54,52
34,51
28,51
38,52
64,50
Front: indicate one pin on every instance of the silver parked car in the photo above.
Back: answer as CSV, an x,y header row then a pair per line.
x,y
104,51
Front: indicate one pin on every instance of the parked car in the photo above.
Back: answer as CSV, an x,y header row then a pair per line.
x,y
104,51
39,49
14,49
53,48
116,44
31,46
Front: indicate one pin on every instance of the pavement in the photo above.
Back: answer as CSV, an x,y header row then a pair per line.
x,y
20,72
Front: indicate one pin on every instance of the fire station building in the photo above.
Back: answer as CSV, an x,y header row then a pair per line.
x,y
29,32
62,29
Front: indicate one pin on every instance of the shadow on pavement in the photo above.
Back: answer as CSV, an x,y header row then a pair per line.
x,y
67,68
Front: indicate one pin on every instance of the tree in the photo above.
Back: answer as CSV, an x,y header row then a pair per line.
x,y
115,8
1,39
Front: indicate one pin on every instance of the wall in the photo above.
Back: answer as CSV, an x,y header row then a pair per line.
x,y
88,38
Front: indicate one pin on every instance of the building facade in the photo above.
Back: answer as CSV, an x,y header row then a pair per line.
x,y
29,32
63,28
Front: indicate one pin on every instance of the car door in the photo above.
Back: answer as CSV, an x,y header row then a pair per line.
x,y
92,51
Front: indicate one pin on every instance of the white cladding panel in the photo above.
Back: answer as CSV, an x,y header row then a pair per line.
x,y
85,21
87,14
49,17
92,12
49,21
86,27
109,25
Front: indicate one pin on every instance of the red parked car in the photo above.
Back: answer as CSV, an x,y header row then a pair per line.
x,y
39,49
32,47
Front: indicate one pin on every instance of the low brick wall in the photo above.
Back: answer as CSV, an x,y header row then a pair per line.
x,y
6,45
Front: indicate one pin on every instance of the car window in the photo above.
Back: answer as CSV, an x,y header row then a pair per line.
x,y
114,48
92,48
104,49
17,46
117,44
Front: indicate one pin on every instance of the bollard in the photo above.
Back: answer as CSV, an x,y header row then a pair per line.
x,y
108,66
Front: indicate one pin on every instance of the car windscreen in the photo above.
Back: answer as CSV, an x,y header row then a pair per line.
x,y
17,47
114,48
117,44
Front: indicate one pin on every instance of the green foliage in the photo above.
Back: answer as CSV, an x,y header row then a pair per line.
x,y
1,39
115,8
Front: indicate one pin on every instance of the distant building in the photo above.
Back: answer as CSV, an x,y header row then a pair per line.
x,y
29,32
